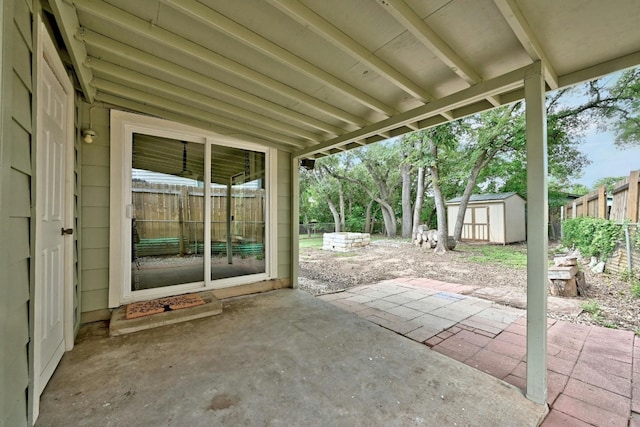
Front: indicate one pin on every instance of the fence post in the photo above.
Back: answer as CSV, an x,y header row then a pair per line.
x,y
602,202
181,207
632,201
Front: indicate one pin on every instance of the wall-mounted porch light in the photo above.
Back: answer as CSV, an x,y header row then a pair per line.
x,y
88,134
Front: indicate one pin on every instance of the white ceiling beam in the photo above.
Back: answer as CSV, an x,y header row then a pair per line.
x,y
504,83
147,83
432,41
67,20
329,32
118,102
216,20
520,27
599,70
180,108
122,19
207,84
421,31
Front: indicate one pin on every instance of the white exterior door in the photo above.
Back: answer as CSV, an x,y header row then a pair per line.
x,y
52,254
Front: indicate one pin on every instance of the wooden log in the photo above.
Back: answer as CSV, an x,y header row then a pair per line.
x,y
563,273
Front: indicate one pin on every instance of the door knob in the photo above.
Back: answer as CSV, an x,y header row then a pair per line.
x,y
66,231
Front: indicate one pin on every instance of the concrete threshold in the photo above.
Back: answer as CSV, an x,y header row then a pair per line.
x,y
120,325
277,358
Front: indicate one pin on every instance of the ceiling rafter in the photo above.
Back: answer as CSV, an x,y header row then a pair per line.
x,y
147,83
520,27
134,106
504,83
432,41
178,107
328,31
207,84
68,23
123,19
215,19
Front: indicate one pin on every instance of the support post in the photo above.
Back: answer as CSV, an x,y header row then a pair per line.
x,y
295,219
537,238
229,219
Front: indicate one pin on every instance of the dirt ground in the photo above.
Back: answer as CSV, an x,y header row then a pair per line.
x,y
324,272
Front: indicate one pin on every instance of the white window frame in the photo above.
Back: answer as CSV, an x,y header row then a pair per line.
x,y
123,126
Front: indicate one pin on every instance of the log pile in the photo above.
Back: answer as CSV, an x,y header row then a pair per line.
x,y
565,280
426,238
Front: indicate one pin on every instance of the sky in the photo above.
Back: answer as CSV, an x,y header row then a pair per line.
x,y
607,159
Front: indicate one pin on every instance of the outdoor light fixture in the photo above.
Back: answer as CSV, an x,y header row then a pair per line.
x,y
88,134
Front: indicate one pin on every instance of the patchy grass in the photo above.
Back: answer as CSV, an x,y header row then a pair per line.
x,y
592,307
509,256
314,242
344,254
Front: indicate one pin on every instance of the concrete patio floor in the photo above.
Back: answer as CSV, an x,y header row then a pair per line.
x,y
279,358
593,372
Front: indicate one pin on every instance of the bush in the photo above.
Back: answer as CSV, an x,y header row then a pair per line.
x,y
592,236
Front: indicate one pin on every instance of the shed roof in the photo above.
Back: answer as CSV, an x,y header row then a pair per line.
x,y
496,197
314,77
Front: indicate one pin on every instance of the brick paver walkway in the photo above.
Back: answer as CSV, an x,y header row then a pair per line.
x,y
593,373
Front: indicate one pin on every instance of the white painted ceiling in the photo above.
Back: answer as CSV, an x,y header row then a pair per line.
x,y
315,77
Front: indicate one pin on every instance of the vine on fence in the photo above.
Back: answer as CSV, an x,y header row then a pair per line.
x,y
592,236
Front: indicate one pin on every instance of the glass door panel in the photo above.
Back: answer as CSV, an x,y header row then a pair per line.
x,y
238,212
167,213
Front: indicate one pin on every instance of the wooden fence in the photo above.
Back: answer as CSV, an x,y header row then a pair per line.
x,y
173,215
623,208
625,203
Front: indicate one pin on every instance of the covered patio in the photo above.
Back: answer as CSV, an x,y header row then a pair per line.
x,y
281,358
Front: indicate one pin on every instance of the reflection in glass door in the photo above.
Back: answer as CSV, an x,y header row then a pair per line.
x,y
167,212
238,211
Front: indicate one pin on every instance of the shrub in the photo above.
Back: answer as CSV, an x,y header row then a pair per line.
x,y
592,236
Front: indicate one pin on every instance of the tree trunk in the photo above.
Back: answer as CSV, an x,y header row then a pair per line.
x,y
417,208
367,218
341,200
441,212
464,201
406,200
306,223
389,218
336,215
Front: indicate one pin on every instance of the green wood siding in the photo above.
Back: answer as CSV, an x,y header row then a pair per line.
x,y
94,208
15,208
283,232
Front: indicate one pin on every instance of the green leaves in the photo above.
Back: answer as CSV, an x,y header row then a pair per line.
x,y
592,236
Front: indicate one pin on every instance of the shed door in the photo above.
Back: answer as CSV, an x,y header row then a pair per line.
x,y
476,224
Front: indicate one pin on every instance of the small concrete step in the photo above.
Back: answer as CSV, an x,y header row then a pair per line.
x,y
120,325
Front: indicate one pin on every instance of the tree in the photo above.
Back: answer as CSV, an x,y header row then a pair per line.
x,y
620,106
438,146
382,163
609,182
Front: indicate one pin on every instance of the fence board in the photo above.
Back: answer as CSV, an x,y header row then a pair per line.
x,y
174,213
625,205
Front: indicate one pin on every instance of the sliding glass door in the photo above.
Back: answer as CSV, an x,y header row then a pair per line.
x,y
189,211
167,223
238,212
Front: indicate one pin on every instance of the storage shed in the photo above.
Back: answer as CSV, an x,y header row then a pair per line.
x,y
492,218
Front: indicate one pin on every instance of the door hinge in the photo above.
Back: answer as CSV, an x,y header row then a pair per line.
x,y
66,231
